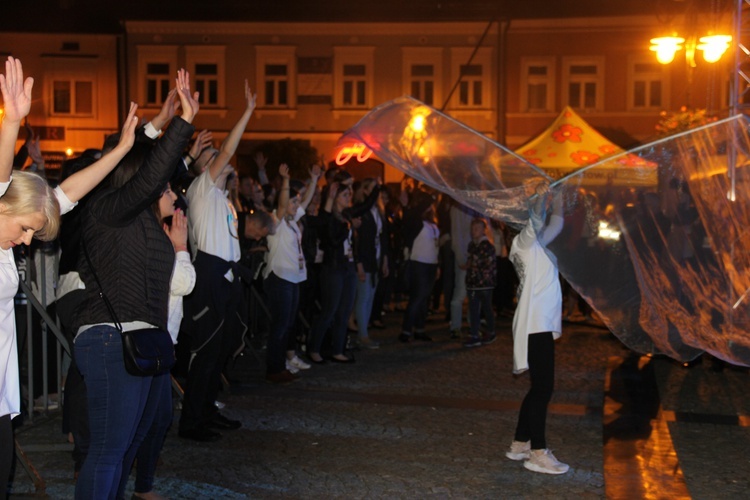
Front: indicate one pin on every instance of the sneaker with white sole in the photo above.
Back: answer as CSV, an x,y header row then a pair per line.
x,y
545,462
519,450
298,364
291,368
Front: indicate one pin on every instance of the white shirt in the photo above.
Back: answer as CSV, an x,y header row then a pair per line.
x,y
425,247
285,258
212,221
539,306
379,230
181,284
10,396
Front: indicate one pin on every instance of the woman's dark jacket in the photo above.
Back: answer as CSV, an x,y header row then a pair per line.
x,y
365,242
131,253
333,231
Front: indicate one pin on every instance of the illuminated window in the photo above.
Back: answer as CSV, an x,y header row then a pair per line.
x,y
157,69
473,91
206,66
353,75
647,84
537,84
276,67
72,97
584,83
422,71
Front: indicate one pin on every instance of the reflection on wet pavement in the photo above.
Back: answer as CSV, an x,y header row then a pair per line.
x,y
639,458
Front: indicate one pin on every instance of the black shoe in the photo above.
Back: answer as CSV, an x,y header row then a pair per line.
x,y
347,360
221,422
282,377
404,337
422,336
200,435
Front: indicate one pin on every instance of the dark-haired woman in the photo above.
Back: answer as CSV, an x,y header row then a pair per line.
x,y
133,259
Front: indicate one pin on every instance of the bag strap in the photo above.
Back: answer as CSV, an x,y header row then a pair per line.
x,y
107,303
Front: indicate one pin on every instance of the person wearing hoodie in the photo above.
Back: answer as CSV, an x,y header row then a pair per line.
x,y
480,282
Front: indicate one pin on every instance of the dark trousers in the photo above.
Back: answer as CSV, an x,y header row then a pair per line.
x,y
338,284
532,419
283,302
206,364
422,277
480,302
6,453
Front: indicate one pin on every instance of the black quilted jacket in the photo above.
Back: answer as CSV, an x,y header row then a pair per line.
x,y
132,255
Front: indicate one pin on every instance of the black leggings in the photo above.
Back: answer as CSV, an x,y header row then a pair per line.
x,y
7,447
532,419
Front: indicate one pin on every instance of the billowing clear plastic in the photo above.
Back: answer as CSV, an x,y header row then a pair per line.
x,y
656,239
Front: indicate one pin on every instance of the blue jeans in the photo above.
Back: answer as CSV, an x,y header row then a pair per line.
x,y
480,301
422,279
338,284
283,302
149,438
363,304
116,401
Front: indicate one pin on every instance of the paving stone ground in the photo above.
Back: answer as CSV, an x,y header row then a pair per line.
x,y
427,420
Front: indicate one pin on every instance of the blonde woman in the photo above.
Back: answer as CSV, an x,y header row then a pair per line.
x,y
29,208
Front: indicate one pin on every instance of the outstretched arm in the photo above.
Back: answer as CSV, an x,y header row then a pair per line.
x,y
315,173
229,146
284,193
167,111
82,182
17,103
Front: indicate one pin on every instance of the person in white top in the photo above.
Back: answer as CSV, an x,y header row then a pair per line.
x,y
536,325
285,270
215,322
29,208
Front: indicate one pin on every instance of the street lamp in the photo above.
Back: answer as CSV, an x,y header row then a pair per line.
x,y
712,46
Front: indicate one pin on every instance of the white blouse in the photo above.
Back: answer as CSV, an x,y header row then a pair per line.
x,y
10,387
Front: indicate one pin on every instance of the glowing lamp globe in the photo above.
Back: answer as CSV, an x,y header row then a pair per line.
x,y
714,46
666,47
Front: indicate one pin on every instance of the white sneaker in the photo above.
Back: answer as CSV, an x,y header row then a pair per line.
x,y
519,450
298,364
292,369
545,462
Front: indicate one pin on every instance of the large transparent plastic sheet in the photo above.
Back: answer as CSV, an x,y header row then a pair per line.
x,y
656,239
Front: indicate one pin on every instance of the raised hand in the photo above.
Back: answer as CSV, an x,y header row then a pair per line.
x,y
284,171
261,160
188,101
35,152
316,172
16,91
250,98
127,136
202,141
167,111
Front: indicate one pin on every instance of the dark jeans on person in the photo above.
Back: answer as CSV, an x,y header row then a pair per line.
x,y
422,278
149,438
337,284
283,302
480,302
532,419
116,402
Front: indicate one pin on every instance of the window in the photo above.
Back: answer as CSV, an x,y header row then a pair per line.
x,y
584,83
157,69
538,85
72,97
422,70
473,91
353,75
276,67
647,84
206,66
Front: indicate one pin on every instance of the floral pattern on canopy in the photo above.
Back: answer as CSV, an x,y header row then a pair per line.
x,y
662,253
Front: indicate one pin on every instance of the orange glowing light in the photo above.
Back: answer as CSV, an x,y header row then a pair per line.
x,y
347,152
69,152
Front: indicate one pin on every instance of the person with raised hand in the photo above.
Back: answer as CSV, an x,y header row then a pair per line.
x,y
133,258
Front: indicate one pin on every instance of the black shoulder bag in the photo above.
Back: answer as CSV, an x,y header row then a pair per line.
x,y
146,351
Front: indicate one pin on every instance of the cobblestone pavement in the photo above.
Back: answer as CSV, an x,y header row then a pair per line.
x,y
430,420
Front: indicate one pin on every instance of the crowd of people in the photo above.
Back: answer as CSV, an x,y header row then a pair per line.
x,y
160,223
